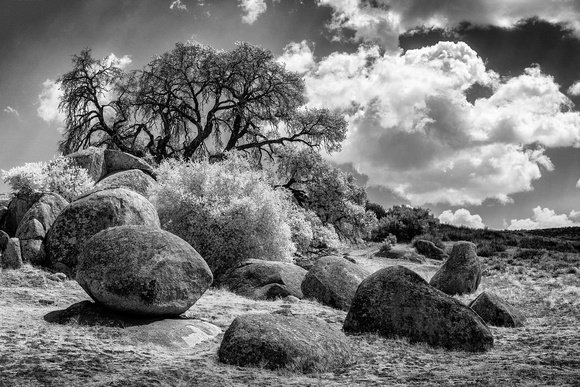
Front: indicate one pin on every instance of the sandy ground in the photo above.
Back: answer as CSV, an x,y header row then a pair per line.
x,y
34,352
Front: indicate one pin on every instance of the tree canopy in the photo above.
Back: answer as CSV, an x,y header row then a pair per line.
x,y
193,102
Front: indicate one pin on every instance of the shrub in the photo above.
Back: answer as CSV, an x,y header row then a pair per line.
x,y
405,223
489,248
227,211
384,250
60,175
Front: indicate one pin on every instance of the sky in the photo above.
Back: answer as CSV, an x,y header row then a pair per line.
x,y
469,108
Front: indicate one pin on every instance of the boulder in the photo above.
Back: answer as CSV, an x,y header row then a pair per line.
x,y
85,217
33,251
461,273
45,211
396,301
259,279
143,271
497,312
133,179
17,208
30,229
93,160
3,241
12,257
333,281
116,161
275,341
428,249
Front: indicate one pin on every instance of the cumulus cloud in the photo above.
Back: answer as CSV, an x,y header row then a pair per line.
x,y
545,218
412,129
178,5
122,62
461,217
298,57
252,10
382,21
574,89
48,101
12,111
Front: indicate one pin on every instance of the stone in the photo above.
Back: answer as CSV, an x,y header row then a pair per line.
x,y
133,179
12,257
17,208
461,273
93,160
333,281
30,229
85,217
143,271
496,311
275,341
46,209
259,279
176,334
3,241
33,251
117,161
428,249
396,301
57,277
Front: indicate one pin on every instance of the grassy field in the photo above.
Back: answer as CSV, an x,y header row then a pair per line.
x,y
544,285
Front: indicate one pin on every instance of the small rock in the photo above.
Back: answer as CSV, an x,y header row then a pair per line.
x,y
57,277
497,312
12,256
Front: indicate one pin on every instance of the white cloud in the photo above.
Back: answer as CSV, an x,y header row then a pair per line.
x,y
178,5
381,21
544,218
461,217
49,100
298,57
121,62
411,128
252,9
12,111
574,89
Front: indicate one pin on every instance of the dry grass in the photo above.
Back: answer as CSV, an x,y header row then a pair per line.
x,y
35,353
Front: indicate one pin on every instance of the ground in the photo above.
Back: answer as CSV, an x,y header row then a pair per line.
x,y
545,352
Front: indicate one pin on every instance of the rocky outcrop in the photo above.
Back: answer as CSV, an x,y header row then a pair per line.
x,y
333,281
496,311
396,301
12,256
19,205
429,250
264,280
275,341
461,273
85,217
142,271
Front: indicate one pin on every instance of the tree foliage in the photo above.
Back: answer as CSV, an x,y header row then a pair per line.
x,y
330,193
193,101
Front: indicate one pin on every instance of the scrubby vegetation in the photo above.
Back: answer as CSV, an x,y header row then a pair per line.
x,y
60,175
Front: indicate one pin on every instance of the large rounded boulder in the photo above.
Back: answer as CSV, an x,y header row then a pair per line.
x,y
275,341
133,179
143,271
461,273
333,281
259,279
396,301
496,311
85,217
92,159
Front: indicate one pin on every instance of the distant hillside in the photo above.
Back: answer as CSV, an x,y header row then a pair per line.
x,y
565,233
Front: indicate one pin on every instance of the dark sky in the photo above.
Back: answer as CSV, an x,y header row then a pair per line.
x,y
467,107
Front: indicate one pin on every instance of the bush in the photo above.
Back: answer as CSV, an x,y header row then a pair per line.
x,y
59,175
489,248
227,211
384,250
431,238
405,223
